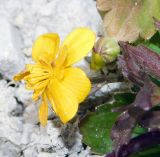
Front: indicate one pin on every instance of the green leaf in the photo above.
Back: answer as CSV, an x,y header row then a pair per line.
x,y
154,80
153,43
154,47
96,127
125,98
156,108
138,131
152,152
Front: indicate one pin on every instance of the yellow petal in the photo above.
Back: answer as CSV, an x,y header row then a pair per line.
x,y
46,47
50,98
37,94
21,75
77,82
79,43
65,101
43,111
62,57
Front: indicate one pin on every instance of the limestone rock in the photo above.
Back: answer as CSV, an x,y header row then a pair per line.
x,y
11,58
23,95
20,24
7,100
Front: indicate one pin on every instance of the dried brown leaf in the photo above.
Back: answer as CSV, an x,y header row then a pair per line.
x,y
126,20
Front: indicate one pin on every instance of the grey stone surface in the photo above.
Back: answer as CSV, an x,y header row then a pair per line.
x,y
11,57
21,21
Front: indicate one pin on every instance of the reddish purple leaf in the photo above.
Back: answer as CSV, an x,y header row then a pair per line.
x,y
143,97
122,129
137,62
138,144
112,154
150,120
130,69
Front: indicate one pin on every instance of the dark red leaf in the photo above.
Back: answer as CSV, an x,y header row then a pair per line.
x,y
122,129
137,62
130,69
111,154
143,97
150,120
140,143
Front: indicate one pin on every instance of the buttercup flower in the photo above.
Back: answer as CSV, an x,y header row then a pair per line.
x,y
53,79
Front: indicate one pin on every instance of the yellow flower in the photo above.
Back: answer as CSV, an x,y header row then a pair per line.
x,y
53,79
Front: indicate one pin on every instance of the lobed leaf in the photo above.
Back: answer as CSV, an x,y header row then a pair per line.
x,y
126,20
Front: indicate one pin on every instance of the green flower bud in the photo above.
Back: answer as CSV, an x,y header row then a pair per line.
x,y
105,51
97,61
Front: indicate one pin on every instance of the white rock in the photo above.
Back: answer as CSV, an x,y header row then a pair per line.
x,y
111,87
10,128
11,59
44,154
33,18
30,152
23,95
31,114
19,20
67,16
8,149
10,8
56,16
7,100
26,134
47,8
40,30
27,51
